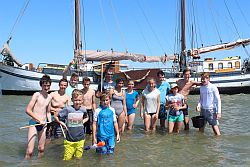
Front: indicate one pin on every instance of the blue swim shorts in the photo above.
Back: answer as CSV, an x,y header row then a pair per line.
x,y
38,127
109,145
210,116
131,111
185,111
163,115
179,118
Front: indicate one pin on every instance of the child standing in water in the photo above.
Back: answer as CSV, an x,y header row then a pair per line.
x,y
132,101
175,103
39,110
105,125
209,104
150,105
75,117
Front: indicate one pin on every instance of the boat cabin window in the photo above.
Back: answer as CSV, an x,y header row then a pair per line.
x,y
220,66
229,65
237,64
210,66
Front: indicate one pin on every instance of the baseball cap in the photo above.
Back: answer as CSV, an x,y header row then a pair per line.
x,y
173,85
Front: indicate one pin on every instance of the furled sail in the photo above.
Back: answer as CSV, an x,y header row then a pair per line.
x,y
6,51
91,55
226,46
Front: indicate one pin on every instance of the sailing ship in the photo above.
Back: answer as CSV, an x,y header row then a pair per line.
x,y
17,78
230,75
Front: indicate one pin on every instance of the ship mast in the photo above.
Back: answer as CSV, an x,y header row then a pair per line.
x,y
182,60
196,52
78,45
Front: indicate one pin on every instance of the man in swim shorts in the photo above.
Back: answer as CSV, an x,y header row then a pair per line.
x,y
39,111
185,85
59,100
88,102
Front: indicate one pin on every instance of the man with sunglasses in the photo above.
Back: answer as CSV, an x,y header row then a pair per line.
x,y
107,85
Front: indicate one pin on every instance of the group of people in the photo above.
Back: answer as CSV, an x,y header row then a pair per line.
x,y
72,113
159,97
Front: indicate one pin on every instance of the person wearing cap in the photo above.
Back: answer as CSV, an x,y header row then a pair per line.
x,y
176,104
209,104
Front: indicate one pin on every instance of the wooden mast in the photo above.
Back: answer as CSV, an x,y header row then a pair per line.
x,y
78,46
182,61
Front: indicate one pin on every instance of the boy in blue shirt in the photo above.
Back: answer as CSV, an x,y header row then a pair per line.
x,y
105,125
164,87
75,117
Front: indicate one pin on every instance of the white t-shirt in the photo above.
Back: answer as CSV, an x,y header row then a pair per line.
x,y
210,97
177,99
150,102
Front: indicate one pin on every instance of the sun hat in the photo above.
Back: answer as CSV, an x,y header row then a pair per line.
x,y
173,85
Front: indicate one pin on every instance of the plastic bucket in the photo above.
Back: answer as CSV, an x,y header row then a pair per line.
x,y
198,121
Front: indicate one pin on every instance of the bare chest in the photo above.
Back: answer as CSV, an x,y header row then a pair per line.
x,y
88,95
59,100
41,104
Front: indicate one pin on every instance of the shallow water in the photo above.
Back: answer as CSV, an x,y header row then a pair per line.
x,y
138,148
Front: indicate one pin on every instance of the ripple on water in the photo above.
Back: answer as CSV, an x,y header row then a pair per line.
x,y
136,147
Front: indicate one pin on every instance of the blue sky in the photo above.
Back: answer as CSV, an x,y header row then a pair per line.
x,y
45,32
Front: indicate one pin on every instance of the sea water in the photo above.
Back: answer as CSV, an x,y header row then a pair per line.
x,y
137,148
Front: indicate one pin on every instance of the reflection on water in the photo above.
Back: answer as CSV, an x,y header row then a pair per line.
x,y
138,148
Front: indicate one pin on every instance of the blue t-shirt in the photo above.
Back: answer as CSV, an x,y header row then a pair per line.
x,y
69,91
164,88
74,123
131,99
105,118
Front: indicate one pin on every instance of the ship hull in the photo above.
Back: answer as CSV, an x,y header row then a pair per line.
x,y
227,83
17,81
